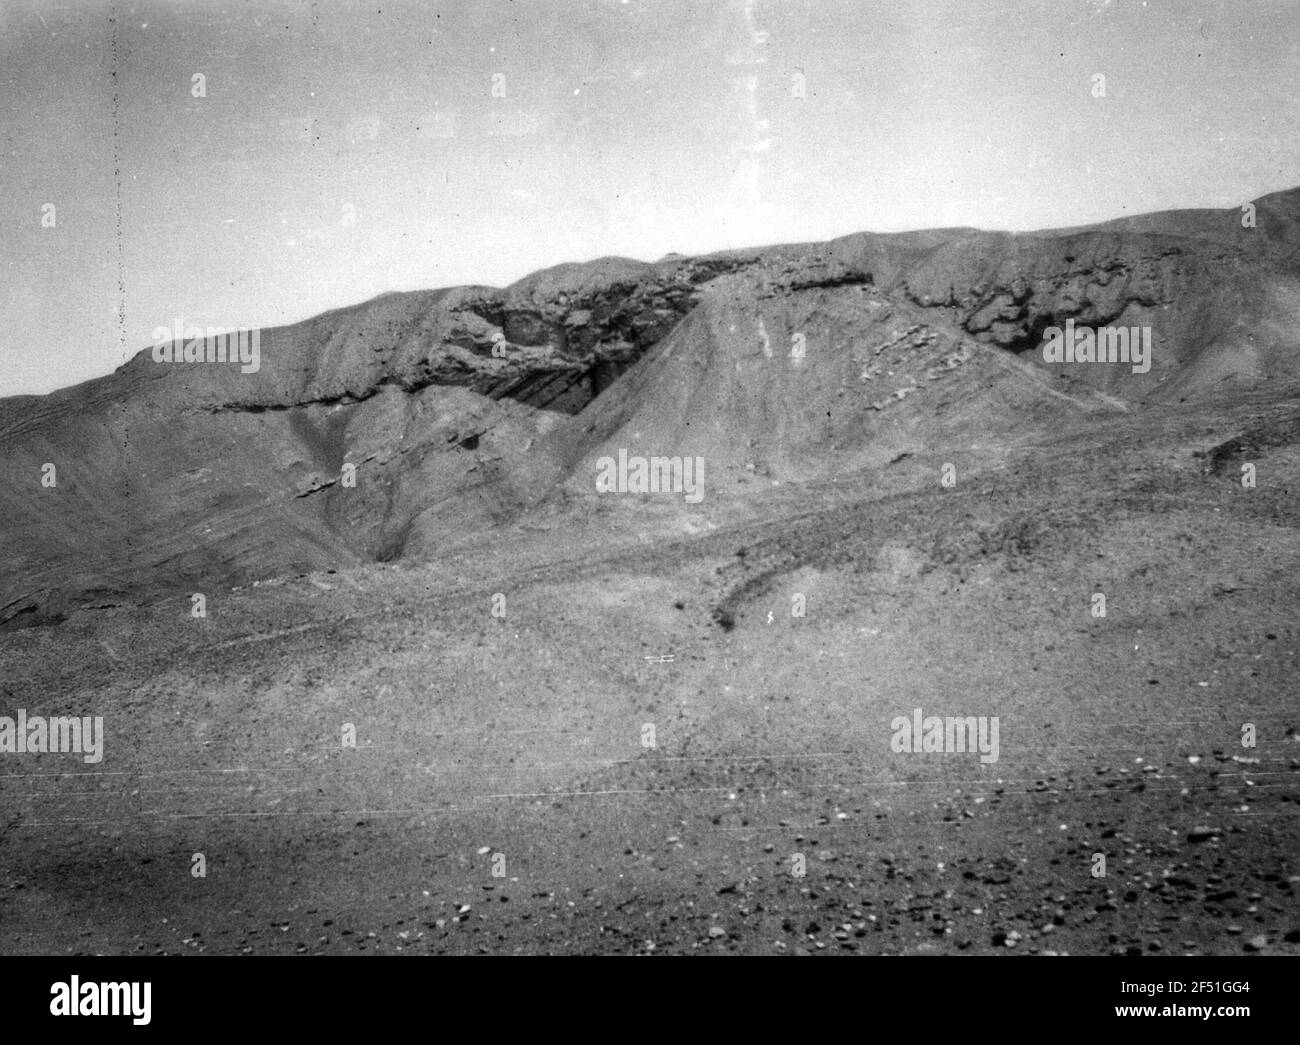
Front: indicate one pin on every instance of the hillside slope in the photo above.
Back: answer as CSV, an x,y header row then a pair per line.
x,y
465,408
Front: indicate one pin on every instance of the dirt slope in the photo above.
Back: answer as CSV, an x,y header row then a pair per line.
x,y
523,735
462,408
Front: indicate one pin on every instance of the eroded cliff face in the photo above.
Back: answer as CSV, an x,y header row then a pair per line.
x,y
552,341
1009,300
458,409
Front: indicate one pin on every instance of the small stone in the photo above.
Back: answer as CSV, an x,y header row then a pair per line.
x,y
1256,943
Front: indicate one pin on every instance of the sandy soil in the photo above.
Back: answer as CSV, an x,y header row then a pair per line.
x,y
501,797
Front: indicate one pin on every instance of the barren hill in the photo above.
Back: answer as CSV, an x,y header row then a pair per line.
x,y
651,723
467,408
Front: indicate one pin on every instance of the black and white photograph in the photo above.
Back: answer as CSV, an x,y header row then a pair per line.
x,y
651,478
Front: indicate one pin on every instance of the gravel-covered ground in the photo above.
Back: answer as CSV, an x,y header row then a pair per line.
x,y
503,795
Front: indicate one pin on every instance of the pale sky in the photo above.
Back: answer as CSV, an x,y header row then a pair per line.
x,y
343,150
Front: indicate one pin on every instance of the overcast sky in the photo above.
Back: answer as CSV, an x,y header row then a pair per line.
x,y
335,151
